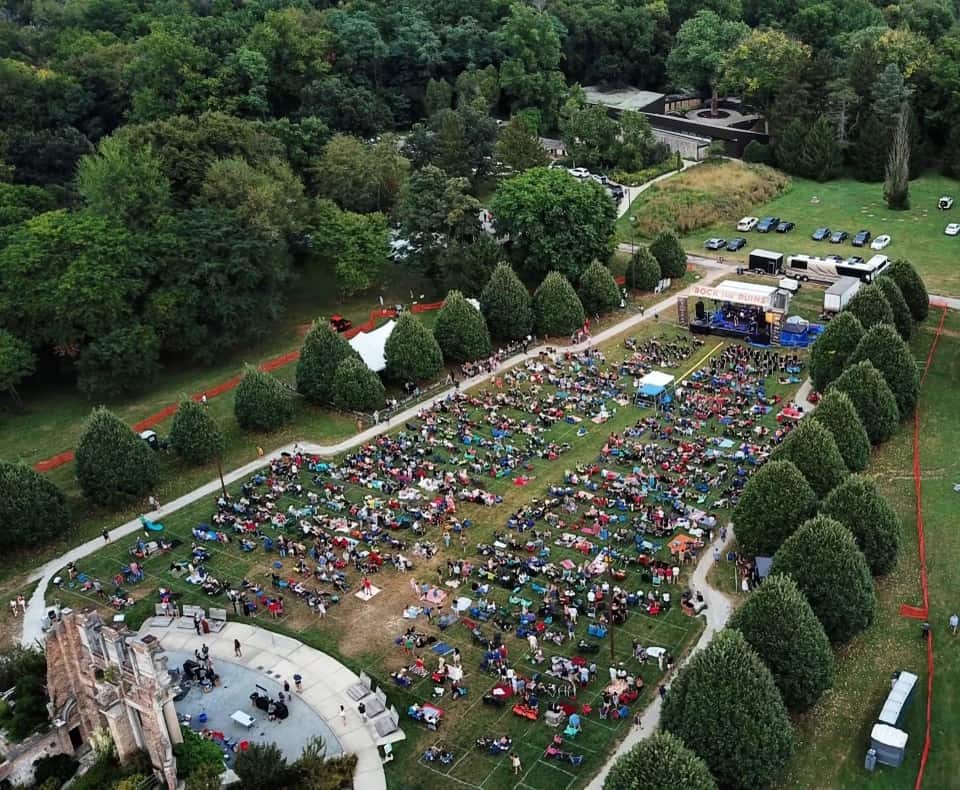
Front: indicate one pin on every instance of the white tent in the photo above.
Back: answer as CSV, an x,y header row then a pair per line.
x,y
655,382
370,346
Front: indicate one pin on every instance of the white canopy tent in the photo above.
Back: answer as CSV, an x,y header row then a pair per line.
x,y
370,346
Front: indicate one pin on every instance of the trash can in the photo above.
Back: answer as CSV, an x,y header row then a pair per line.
x,y
870,761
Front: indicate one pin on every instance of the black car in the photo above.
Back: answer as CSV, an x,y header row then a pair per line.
x,y
715,244
736,244
862,239
839,237
820,234
785,227
767,224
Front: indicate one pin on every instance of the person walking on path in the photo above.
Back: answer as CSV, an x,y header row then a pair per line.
x,y
362,710
298,682
106,536
716,554
236,648
343,715
515,762
954,623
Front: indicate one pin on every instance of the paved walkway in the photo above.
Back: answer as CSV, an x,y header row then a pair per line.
x,y
325,684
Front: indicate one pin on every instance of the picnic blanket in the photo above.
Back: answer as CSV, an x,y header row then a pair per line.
x,y
434,595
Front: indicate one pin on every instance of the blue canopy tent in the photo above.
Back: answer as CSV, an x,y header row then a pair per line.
x,y
654,390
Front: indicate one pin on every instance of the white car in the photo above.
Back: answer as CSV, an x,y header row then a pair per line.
x,y
880,242
945,203
747,223
579,172
953,229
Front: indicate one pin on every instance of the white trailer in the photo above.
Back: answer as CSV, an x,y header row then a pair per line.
x,y
836,297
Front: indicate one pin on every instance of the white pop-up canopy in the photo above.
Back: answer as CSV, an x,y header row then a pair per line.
x,y
655,383
370,346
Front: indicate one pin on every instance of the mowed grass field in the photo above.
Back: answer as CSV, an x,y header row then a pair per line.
x,y
843,204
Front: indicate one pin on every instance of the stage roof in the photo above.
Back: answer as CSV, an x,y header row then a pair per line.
x,y
370,346
736,292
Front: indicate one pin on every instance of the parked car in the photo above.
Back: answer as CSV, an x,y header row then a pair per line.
x,y
737,243
820,234
854,260
767,224
339,323
880,242
616,192
861,239
785,227
747,223
953,229
839,237
579,172
945,202
600,179
715,244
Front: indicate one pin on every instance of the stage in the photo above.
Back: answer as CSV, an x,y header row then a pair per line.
x,y
717,324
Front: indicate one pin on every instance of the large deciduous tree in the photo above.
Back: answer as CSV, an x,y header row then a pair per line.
x,y
113,464
760,65
838,415
506,304
872,398
411,352
17,362
775,501
32,508
813,450
125,360
556,306
461,330
858,505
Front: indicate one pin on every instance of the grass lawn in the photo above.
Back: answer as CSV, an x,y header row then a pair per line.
x,y
361,634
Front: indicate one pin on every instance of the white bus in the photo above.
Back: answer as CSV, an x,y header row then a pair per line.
x,y
829,270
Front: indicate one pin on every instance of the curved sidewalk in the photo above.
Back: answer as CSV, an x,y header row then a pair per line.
x,y
36,610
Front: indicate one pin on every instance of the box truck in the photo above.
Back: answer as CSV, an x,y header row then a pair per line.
x,y
836,297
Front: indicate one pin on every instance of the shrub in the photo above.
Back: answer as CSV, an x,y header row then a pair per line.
x,y
643,271
356,387
660,762
911,286
262,402
113,464
872,398
556,306
461,330
813,450
890,355
411,352
902,319
263,767
206,777
757,153
32,509
669,252
838,415
775,501
598,292
322,350
506,304
195,752
54,766
725,706
779,624
870,307
194,434
823,559
833,348
857,504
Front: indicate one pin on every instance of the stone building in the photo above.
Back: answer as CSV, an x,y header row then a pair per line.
x,y
102,676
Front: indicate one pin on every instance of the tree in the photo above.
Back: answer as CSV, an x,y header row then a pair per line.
x,y
598,291
643,271
357,246
870,307
361,177
759,66
588,131
194,434
262,402
660,762
123,361
813,450
506,304
832,573
669,252
872,398
833,348
776,500
636,146
205,777
356,387
723,683
263,767
124,181
902,319
858,505
194,752
914,291
896,183
439,96
32,509
460,330
322,351
555,222
701,45
890,355
837,414
17,362
556,306
757,153
411,352
778,623
519,146
467,268
453,154
821,151
113,464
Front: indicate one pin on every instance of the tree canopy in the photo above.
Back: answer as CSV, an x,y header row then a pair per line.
x,y
113,464
461,330
837,414
776,500
833,348
556,306
355,387
870,306
412,353
322,351
507,305
32,508
669,252
911,286
262,402
660,762
598,291
643,270
858,505
891,356
872,398
194,434
814,451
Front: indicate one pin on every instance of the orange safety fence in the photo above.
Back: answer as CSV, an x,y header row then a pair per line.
x,y
908,610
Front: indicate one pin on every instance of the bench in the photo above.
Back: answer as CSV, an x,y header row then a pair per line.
x,y
187,613
376,705
358,691
217,619
389,724
161,618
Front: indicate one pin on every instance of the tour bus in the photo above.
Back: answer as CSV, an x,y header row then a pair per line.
x,y
829,270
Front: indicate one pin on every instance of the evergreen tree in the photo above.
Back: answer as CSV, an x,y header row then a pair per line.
x,y
460,330
322,351
557,307
411,352
902,319
660,762
789,146
194,434
838,415
896,184
643,271
858,505
776,500
870,307
519,146
262,402
833,348
911,286
831,571
872,398
890,355
820,152
780,626
32,509
356,387
669,252
113,464
598,291
506,304
813,450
